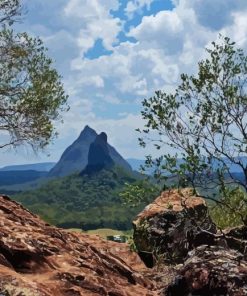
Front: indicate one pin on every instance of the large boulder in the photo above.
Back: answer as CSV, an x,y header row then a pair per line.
x,y
42,260
211,271
171,226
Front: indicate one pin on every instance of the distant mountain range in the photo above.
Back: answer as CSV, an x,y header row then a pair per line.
x,y
40,167
135,163
234,168
47,166
17,177
73,160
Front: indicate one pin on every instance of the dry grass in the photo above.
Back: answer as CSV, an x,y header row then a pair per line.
x,y
103,232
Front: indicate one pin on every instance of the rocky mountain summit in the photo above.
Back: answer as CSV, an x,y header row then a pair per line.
x,y
40,260
75,157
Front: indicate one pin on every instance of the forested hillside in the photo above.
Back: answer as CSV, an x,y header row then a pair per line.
x,y
82,201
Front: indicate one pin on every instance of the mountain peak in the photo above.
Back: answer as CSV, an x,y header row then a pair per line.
x,y
87,131
75,157
102,137
87,128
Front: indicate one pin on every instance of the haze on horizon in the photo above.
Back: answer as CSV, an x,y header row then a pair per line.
x,y
114,53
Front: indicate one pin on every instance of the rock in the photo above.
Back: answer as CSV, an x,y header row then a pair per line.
x,y
98,156
171,226
236,238
211,271
41,260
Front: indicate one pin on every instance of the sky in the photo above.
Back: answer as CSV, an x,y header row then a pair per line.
x,y
114,53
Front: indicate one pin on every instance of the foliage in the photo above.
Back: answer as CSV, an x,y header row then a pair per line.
x,y
232,211
31,92
203,123
132,245
10,12
139,192
86,202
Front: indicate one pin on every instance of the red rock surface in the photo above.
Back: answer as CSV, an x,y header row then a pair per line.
x,y
41,260
211,270
172,200
171,226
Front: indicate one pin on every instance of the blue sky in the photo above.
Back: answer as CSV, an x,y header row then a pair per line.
x,y
114,53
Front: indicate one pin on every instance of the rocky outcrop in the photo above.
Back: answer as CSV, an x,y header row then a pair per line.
x,y
211,271
98,156
171,226
41,260
176,228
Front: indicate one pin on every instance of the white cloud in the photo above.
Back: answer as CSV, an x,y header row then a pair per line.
x,y
96,22
238,30
216,14
62,47
89,8
95,80
134,6
164,30
168,43
108,99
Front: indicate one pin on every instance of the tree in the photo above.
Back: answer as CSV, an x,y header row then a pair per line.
x,y
204,124
31,92
10,11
